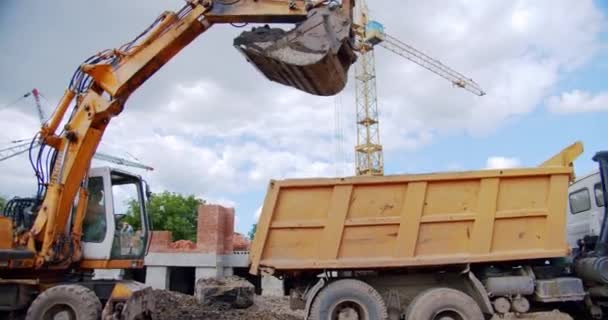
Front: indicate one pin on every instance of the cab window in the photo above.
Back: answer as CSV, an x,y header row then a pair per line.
x,y
95,224
599,195
129,237
580,201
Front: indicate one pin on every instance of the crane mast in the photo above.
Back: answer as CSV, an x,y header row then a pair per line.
x,y
369,155
369,158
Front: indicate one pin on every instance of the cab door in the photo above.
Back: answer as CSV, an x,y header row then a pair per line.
x,y
130,218
598,205
98,227
584,212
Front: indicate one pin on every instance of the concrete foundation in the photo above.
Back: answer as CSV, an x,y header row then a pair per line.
x,y
272,286
157,277
206,273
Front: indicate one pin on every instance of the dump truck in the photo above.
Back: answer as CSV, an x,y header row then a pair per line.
x,y
449,246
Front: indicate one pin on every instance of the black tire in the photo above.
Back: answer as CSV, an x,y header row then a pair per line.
x,y
443,303
74,301
348,294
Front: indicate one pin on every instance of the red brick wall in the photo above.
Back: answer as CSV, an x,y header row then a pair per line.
x,y
215,233
208,229
215,229
228,216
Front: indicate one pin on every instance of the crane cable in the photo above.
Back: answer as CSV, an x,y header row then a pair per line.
x,y
16,101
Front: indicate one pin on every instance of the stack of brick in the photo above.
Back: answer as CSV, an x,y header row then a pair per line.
x,y
240,243
215,229
183,245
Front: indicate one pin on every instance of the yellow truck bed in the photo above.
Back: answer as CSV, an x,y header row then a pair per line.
x,y
415,220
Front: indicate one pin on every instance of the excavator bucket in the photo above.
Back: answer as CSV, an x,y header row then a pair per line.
x,y
314,57
129,300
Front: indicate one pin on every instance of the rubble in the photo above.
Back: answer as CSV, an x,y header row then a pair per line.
x,y
234,298
181,245
177,306
230,291
554,315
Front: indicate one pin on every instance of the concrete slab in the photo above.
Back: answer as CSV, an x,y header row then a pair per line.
x,y
157,277
272,286
181,259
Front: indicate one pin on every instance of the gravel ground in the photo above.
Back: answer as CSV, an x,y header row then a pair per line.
x,y
177,306
555,315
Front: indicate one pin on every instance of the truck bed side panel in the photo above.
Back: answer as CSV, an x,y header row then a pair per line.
x,y
413,220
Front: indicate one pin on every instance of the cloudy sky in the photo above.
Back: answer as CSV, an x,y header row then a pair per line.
x,y
212,126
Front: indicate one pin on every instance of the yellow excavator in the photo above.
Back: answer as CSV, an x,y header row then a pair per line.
x,y
49,244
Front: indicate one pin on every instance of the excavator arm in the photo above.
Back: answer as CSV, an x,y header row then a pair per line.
x,y
313,57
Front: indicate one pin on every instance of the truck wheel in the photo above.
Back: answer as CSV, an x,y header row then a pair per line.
x,y
443,304
69,302
348,299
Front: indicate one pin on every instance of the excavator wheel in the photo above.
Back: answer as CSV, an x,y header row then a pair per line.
x,y
70,302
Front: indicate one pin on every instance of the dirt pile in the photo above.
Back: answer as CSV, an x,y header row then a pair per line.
x,y
555,315
177,306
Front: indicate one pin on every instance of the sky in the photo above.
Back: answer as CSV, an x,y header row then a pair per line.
x,y
212,126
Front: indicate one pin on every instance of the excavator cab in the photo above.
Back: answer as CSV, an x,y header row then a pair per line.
x,y
116,226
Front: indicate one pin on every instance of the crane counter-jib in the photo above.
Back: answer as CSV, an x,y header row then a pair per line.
x,y
415,220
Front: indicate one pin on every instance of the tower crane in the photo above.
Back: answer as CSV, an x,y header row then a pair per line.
x,y
23,146
369,158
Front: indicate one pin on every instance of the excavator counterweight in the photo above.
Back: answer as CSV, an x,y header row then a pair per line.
x,y
313,57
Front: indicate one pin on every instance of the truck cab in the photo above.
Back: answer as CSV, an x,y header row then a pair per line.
x,y
585,208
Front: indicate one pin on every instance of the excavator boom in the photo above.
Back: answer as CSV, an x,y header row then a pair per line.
x,y
314,57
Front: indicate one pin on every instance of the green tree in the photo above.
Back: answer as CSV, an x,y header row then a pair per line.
x,y
251,233
2,203
171,212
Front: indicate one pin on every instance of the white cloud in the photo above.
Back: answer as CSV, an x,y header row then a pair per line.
x,y
578,101
514,50
502,163
258,212
220,201
210,124
17,174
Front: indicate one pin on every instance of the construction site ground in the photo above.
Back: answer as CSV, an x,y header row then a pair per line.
x,y
178,306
